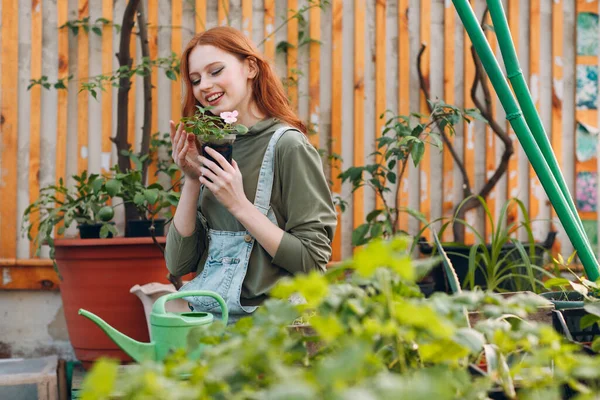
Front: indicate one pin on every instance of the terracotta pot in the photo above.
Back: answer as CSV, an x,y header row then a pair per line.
x,y
97,275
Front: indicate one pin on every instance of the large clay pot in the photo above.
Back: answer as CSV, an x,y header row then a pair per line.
x,y
97,275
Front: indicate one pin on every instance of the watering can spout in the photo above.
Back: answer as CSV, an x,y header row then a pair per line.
x,y
137,350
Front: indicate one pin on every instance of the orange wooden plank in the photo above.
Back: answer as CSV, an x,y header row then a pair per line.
x,y
200,15
35,101
32,274
403,98
425,165
292,54
380,81
313,74
83,96
107,60
176,9
62,95
359,105
534,65
153,47
223,12
336,117
513,164
269,41
8,124
448,181
247,18
490,145
469,129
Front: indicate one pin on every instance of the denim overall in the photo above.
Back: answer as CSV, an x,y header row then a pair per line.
x,y
229,252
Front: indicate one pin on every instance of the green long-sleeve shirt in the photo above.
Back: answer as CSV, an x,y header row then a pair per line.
x,y
301,201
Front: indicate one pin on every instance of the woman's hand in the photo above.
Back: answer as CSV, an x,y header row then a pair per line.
x,y
185,152
224,181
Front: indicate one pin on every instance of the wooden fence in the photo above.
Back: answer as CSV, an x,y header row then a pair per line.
x,y
362,61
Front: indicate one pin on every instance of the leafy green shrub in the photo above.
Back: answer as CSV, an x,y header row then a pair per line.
x,y
372,335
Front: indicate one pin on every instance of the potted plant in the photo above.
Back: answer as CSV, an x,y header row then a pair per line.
x,y
148,200
86,204
216,132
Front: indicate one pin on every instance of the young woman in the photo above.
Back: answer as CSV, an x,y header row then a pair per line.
x,y
269,214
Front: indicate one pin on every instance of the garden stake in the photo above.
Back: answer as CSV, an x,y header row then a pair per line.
x,y
532,118
515,117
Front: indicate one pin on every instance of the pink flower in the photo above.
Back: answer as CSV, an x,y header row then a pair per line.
x,y
229,117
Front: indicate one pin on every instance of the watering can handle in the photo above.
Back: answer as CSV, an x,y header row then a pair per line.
x,y
159,305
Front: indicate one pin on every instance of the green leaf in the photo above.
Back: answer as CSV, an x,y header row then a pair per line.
x,y
588,321
113,187
417,152
558,282
593,308
358,236
171,75
100,381
151,195
139,199
97,30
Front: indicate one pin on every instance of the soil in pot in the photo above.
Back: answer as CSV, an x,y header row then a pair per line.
x,y
223,146
141,228
91,231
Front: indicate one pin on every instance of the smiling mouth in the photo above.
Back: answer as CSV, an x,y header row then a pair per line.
x,y
214,97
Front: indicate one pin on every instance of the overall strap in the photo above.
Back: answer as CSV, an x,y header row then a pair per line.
x,y
267,173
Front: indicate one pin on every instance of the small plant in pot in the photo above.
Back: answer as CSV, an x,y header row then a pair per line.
x,y
148,201
86,204
216,132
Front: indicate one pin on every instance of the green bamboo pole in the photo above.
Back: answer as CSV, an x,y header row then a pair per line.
x,y
515,76
533,152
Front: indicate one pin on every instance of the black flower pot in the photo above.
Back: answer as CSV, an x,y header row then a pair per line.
x,y
141,228
91,231
223,146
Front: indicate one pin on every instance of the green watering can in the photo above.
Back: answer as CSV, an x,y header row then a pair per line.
x,y
168,330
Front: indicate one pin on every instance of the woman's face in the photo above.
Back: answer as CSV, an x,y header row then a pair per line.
x,y
220,80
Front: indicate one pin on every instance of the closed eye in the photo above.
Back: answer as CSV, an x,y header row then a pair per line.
x,y
214,73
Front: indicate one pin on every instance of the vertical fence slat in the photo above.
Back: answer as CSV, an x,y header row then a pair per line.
x,y
164,97
34,126
82,97
302,71
25,100
292,54
94,112
525,61
414,37
131,99
534,85
391,73
223,12
490,143
369,99
152,20
436,91
459,94
546,96
313,73
336,116
568,107
359,104
449,71
425,175
107,55
200,12
557,73
258,22
380,73
269,40
513,164
405,75
347,95
176,47
62,95
9,125
247,18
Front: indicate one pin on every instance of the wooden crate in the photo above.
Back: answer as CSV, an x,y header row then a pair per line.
x,y
25,379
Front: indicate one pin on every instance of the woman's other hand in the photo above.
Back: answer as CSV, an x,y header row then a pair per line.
x,y
185,152
225,181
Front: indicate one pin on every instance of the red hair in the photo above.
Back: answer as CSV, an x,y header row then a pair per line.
x,y
267,89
